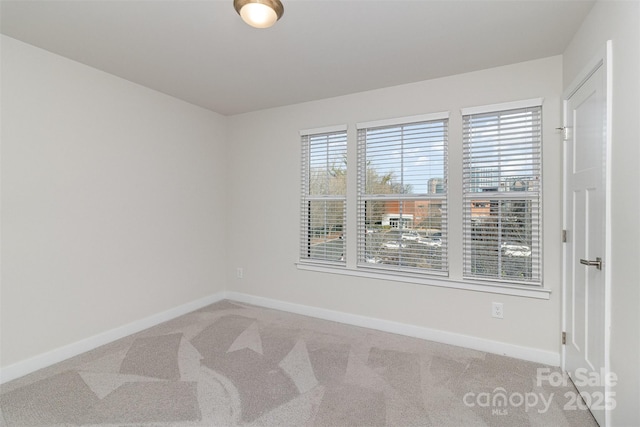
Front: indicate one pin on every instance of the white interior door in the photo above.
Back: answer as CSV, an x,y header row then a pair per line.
x,y
585,313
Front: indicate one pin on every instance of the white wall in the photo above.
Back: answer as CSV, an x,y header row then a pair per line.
x,y
264,161
619,21
112,202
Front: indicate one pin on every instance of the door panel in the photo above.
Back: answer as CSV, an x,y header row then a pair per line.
x,y
585,186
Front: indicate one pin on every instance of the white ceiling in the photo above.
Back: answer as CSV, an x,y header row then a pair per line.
x,y
201,52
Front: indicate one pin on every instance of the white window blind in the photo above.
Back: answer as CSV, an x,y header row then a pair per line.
x,y
402,196
324,189
502,195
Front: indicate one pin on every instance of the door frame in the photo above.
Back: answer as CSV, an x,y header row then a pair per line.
x,y
602,59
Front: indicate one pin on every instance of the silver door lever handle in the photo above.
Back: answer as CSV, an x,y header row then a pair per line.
x,y
597,263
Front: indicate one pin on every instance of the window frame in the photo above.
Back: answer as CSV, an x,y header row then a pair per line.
x,y
363,197
534,196
307,198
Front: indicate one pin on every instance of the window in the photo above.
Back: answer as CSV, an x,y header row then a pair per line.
x,y
402,194
502,193
401,200
324,189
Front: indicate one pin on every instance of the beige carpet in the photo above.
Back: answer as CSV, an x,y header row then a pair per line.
x,y
235,364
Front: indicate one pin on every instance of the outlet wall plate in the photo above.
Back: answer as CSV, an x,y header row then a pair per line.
x,y
497,310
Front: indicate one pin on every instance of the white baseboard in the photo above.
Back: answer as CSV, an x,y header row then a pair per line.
x,y
481,344
49,358
33,364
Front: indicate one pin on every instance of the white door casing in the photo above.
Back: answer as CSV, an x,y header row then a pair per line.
x,y
587,262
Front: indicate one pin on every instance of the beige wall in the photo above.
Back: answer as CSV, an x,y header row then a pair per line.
x,y
112,202
264,161
619,21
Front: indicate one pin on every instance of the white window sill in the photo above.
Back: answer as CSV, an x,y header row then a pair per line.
x,y
494,288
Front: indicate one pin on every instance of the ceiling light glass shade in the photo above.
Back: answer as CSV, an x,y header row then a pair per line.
x,y
259,13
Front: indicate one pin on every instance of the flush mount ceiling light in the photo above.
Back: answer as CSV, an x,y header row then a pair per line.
x,y
259,13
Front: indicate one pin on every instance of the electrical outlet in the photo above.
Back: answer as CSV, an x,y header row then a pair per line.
x,y
239,273
497,310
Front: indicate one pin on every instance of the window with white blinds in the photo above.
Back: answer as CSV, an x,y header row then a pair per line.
x,y
324,189
502,195
402,194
